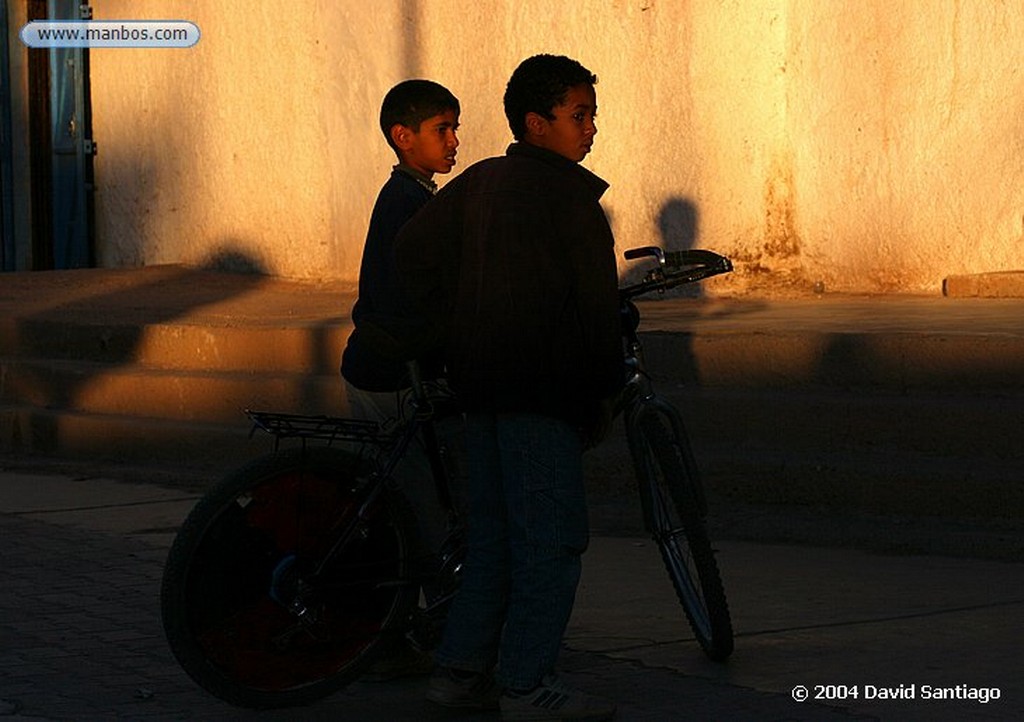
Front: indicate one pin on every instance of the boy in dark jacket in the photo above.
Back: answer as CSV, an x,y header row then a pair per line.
x,y
514,264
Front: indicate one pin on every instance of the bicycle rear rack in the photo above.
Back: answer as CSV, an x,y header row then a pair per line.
x,y
323,428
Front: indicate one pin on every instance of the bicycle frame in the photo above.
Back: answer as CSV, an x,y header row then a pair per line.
x,y
395,441
637,400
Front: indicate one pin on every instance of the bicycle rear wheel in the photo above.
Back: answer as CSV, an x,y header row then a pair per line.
x,y
261,605
676,518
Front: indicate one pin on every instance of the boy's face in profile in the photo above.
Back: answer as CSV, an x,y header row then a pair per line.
x,y
571,133
431,148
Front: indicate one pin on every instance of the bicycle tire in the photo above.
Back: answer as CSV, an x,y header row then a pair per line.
x,y
676,519
241,554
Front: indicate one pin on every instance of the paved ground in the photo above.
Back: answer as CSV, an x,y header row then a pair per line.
x,y
80,636
867,634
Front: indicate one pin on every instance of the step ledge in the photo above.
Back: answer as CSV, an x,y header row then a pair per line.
x,y
995,284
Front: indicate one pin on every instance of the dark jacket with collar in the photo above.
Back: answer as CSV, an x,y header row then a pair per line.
x,y
383,312
514,263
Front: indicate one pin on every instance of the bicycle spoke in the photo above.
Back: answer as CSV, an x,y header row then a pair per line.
x,y
677,525
672,537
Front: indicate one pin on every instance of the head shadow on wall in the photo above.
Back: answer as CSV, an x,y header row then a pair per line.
x,y
679,229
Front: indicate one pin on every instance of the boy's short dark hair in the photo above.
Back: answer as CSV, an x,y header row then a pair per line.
x,y
538,85
411,102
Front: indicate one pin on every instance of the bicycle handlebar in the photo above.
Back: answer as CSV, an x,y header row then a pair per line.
x,y
674,269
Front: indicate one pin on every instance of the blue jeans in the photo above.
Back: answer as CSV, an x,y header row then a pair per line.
x,y
527,530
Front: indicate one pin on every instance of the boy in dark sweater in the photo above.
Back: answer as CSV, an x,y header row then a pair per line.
x,y
419,119
513,262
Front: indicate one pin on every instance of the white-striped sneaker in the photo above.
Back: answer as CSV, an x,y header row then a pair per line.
x,y
554,700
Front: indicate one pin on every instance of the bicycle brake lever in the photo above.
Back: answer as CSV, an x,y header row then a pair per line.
x,y
633,253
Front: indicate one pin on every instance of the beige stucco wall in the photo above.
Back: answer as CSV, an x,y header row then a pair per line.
x,y
907,128
874,145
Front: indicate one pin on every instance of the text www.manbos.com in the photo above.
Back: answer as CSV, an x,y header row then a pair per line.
x,y
110,34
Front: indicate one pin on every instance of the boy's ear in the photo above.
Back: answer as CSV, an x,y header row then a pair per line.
x,y
536,124
401,136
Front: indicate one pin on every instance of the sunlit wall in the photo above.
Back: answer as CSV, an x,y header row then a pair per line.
x,y
871,145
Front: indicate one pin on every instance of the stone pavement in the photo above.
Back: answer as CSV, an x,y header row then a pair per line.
x,y
80,636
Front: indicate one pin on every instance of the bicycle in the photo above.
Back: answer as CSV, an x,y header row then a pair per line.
x,y
672,496
298,571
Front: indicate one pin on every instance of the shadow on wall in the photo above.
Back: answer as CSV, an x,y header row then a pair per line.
x,y
678,230
670,355
231,260
679,227
411,40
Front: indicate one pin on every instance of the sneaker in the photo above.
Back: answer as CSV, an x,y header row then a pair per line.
x,y
553,700
465,690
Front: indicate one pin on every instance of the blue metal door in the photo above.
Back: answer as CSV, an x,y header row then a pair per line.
x,y
72,145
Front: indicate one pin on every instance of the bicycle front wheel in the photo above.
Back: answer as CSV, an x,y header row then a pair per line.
x,y
276,592
674,507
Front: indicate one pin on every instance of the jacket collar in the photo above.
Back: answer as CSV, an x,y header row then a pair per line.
x,y
594,182
427,183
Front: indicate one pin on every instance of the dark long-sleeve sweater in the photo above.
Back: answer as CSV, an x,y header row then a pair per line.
x,y
383,306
